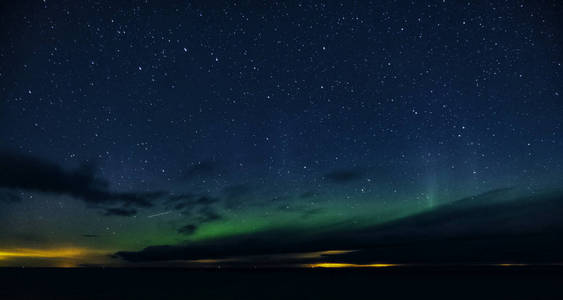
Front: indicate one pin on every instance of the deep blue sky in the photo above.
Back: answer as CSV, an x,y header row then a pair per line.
x,y
256,115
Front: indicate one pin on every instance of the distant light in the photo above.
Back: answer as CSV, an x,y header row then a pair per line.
x,y
345,265
43,253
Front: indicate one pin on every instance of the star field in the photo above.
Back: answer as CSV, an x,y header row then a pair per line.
x,y
125,126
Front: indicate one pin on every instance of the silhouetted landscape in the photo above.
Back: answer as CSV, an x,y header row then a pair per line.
x,y
413,282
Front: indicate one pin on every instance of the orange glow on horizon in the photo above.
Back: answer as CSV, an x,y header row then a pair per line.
x,y
335,252
317,254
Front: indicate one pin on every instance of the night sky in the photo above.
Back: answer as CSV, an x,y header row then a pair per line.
x,y
280,133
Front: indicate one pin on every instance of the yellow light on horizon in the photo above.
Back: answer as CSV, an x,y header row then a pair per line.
x,y
212,260
47,253
346,265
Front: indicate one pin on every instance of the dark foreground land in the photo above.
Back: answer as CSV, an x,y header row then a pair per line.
x,y
388,283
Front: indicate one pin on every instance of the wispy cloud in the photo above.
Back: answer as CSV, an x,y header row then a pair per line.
x,y
24,172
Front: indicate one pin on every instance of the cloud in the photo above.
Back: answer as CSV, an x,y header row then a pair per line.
x,y
202,214
90,235
492,227
345,175
122,212
189,202
181,197
181,201
24,172
207,214
205,200
199,210
188,229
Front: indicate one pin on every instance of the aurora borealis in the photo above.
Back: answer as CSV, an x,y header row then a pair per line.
x,y
200,133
